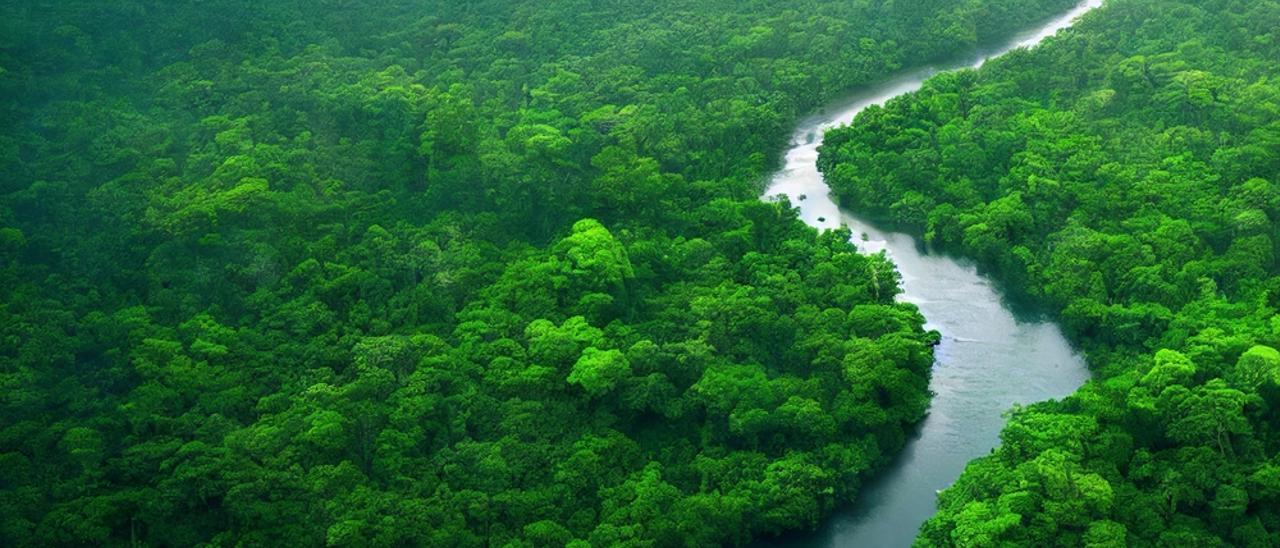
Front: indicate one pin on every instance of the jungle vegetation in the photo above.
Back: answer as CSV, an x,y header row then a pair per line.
x,y
483,273
1124,175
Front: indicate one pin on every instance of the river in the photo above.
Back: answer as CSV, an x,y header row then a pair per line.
x,y
988,360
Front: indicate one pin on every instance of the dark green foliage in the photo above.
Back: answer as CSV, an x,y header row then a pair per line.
x,y
1125,174
439,273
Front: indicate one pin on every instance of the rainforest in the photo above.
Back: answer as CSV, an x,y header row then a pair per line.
x,y
500,273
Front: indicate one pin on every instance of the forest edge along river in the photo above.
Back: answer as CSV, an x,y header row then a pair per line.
x,y
988,359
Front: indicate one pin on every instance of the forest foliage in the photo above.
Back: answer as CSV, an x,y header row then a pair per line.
x,y
440,273
1125,175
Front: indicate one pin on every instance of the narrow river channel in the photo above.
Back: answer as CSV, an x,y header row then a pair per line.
x,y
989,359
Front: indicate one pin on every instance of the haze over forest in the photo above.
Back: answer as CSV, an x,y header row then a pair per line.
x,y
500,273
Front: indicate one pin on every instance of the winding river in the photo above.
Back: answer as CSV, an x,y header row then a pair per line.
x,y
988,360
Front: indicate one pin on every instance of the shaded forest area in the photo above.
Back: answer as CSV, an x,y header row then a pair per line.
x,y
1125,174
440,273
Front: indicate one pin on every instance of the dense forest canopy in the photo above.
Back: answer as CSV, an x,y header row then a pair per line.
x,y
441,273
1124,174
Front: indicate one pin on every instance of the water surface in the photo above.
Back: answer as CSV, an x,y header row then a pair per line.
x,y
988,360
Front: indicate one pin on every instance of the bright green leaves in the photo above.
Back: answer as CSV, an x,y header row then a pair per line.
x,y
733,317
547,533
788,490
397,354
884,376
599,371
1171,368
979,524
1032,433
450,127
585,273
628,183
1207,415
806,417
1257,366
595,257
541,142
196,210
644,498
560,346
1105,534
326,429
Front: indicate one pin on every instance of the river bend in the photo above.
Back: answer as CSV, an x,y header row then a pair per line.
x,y
988,360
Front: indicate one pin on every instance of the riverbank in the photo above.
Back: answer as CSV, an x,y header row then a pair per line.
x,y
989,359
